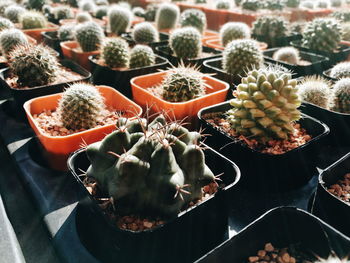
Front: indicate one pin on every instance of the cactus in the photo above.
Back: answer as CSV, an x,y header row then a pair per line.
x,y
141,56
5,24
34,65
232,31
186,43
194,18
138,11
83,17
62,12
145,32
343,15
119,20
341,70
32,20
315,90
322,34
36,4
336,3
274,5
223,4
125,5
10,38
323,4
102,2
341,96
252,5
150,14
80,107
87,5
346,31
66,32
167,16
89,36
13,12
292,3
289,55
150,168
241,55
115,53
4,4
307,4
266,105
101,11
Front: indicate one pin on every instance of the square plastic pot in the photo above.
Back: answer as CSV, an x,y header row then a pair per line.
x,y
51,39
163,40
277,41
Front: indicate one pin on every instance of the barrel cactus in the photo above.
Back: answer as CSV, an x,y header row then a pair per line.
x,y
292,3
10,38
274,5
80,107
341,96
13,12
36,4
32,20
89,36
316,90
5,24
194,18
62,12
83,17
232,31
186,43
223,4
115,53
323,4
341,70
252,5
336,3
167,16
66,32
101,11
87,5
289,55
265,105
119,20
145,32
241,55
142,56
3,5
34,65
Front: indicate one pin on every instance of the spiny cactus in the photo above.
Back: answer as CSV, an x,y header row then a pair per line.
x,y
307,4
241,55
167,16
10,38
101,2
200,1
13,12
341,96
62,12
115,53
66,32
101,11
32,20
150,168
223,4
80,107
83,17
186,43
274,5
145,32
142,56
34,65
89,36
322,34
289,55
232,31
333,259
150,14
36,4
266,105
323,4
5,24
292,3
3,5
87,5
316,90
336,3
194,18
119,20
252,5
138,11
341,70
342,15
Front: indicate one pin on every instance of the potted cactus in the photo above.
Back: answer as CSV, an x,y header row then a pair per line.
x,y
338,71
167,16
155,196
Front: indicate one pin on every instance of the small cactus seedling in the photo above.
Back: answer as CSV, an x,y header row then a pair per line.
x,y
83,17
341,70
145,33
289,55
292,3
80,107
341,96
141,56
186,43
89,36
194,18
66,32
232,31
36,4
32,20
62,12
119,20
5,24
115,53
13,12
223,4
10,38
252,5
316,90
101,11
167,16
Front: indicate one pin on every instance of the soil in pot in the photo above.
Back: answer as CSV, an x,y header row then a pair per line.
x,y
341,188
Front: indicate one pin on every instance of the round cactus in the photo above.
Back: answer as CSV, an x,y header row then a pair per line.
x,y
83,17
32,20
80,107
186,43
141,56
101,11
10,38
4,4
13,12
266,105
150,12
66,32
341,96
101,2
232,31
322,34
36,4
323,4
292,3
138,11
194,18
307,4
34,65
241,55
274,5
315,90
119,20
223,4
62,12
89,36
5,24
341,70
167,16
87,5
145,32
115,53
336,3
289,55
252,5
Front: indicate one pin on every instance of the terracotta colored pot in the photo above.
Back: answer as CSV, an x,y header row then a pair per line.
x,y
215,18
216,43
36,33
307,14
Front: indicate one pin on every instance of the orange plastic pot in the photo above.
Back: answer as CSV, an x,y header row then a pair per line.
x,y
73,21
215,94
239,16
216,43
209,34
215,18
70,50
306,14
58,148
36,33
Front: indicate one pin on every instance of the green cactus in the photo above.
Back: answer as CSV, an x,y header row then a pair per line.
x,y
232,31
89,36
62,12
138,11
66,32
223,4
322,34
80,107
10,38
323,4
119,20
341,70
289,55
83,17
115,53
292,3
5,24
241,55
36,4
150,14
252,5
101,11
307,4
273,5
186,43
4,4
13,12
167,16
87,5
341,96
145,33
336,3
142,56
32,20
34,65
194,18
266,105
150,168
341,15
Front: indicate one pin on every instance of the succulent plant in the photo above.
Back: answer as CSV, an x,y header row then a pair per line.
x,y
150,168
167,16
102,2
87,5
341,96
252,5
186,43
119,20
223,4
141,56
342,15
150,13
336,3
32,20
322,34
34,65
80,106
315,90
36,4
101,11
241,55
62,12
3,5
115,53
89,36
10,38
66,32
83,17
138,11
307,4
232,31
289,55
194,18
274,4
323,4
292,3
13,12
341,70
145,32
5,24
265,105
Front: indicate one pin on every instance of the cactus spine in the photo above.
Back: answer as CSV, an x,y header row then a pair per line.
x,y
62,12
5,24
89,36
167,16
13,12
186,43
292,3
223,4
115,53
119,19
145,32
32,20
252,5
194,18
341,96
83,17
232,31
10,38
341,70
141,56
289,55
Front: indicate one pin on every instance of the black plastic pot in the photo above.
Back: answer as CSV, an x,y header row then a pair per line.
x,y
327,206
22,95
166,52
327,75
268,172
163,40
183,239
318,63
282,227
277,42
120,79
215,66
51,39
